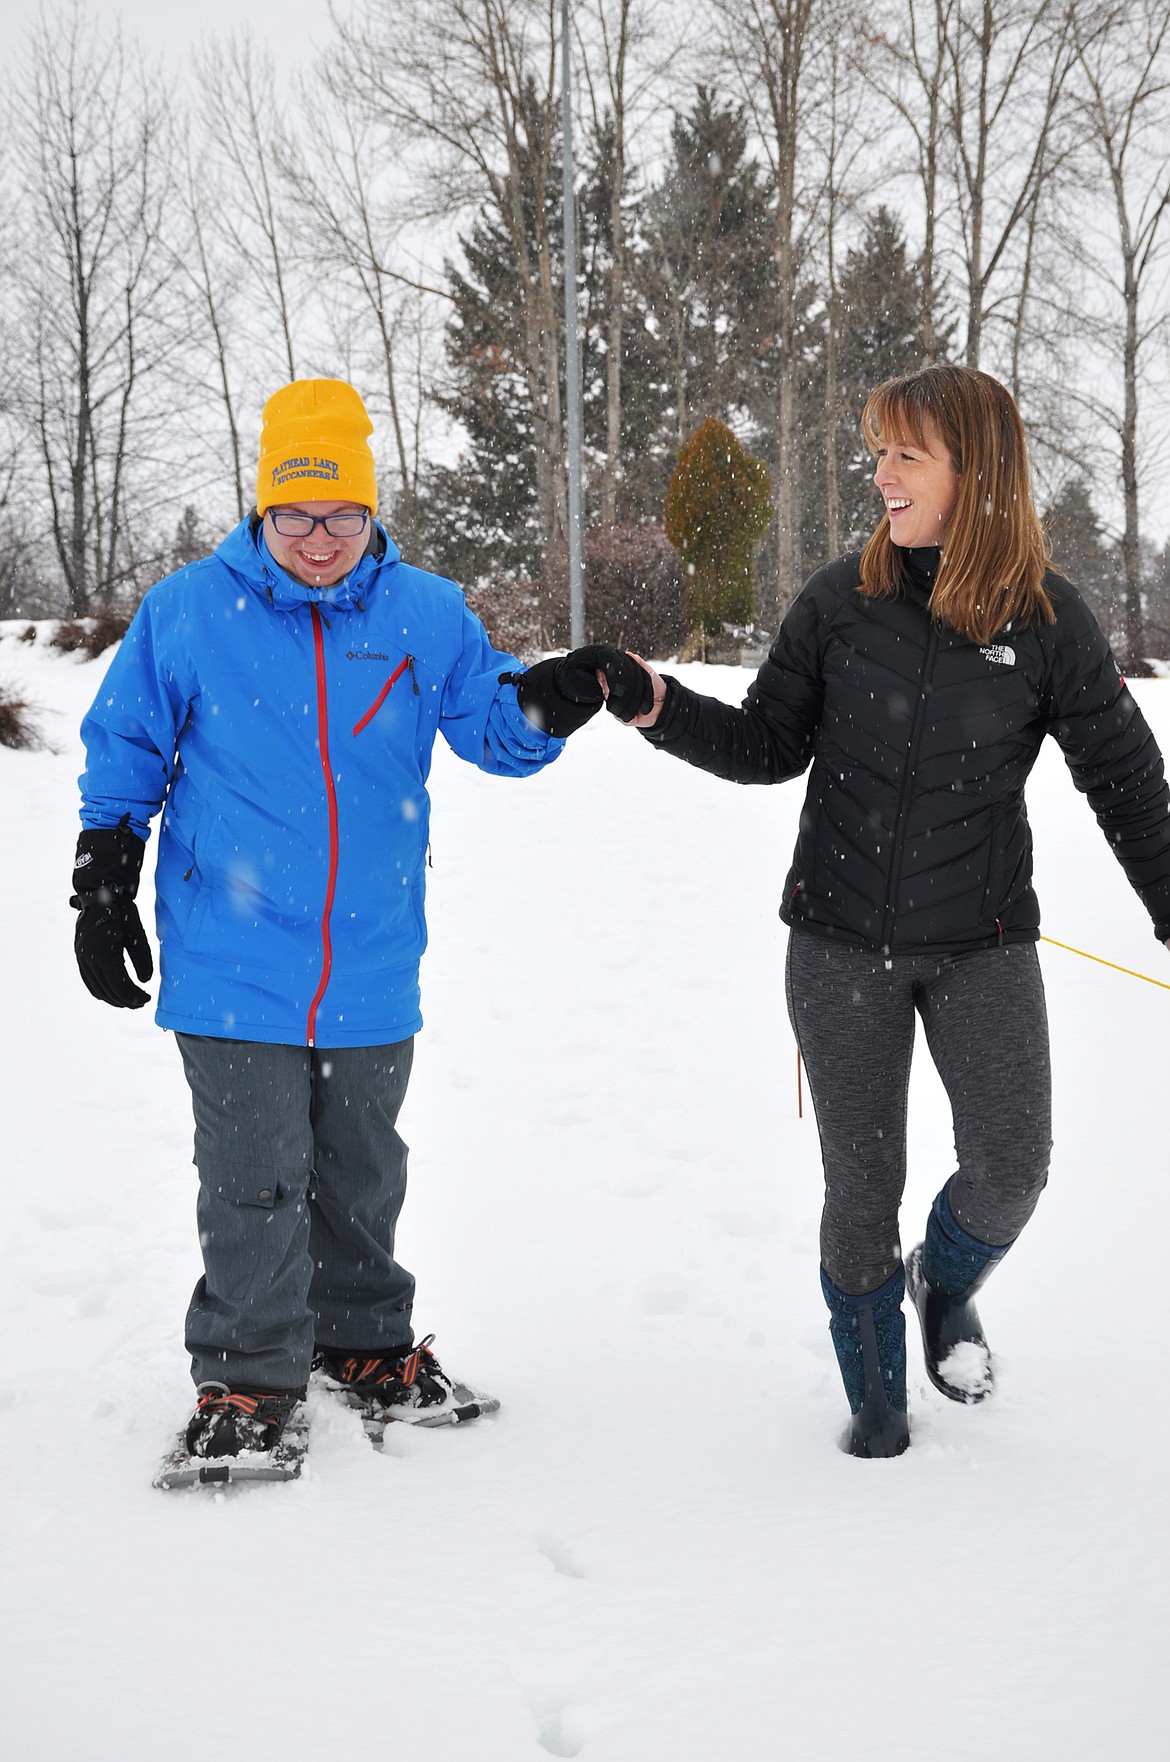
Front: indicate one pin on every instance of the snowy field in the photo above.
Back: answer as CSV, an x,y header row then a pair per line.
x,y
654,1553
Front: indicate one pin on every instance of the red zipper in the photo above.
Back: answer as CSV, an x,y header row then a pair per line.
x,y
385,691
331,798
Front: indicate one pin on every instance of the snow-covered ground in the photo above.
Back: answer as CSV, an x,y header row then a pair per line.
x,y
654,1553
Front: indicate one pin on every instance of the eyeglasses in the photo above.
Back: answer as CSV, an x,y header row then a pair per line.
x,y
301,525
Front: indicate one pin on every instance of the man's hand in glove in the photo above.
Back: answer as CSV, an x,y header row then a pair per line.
x,y
562,694
105,880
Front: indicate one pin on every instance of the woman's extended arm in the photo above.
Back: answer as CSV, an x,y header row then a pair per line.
x,y
1113,756
769,738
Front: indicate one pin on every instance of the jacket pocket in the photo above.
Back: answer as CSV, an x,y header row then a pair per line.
x,y
401,668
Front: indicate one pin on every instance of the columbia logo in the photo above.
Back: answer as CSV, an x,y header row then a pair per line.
x,y
1000,652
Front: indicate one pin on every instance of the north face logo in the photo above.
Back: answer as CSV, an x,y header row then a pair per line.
x,y
998,651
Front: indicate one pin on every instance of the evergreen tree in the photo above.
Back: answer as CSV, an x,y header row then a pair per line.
x,y
1082,552
480,515
718,507
809,348
648,443
703,289
1158,604
191,539
879,335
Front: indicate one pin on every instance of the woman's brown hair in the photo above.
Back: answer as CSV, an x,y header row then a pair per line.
x,y
994,554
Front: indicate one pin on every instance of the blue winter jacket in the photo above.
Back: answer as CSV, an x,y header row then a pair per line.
x,y
286,733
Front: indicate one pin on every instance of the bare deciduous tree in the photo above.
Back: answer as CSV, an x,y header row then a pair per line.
x,y
1009,62
474,84
842,134
620,66
210,274
92,148
905,58
979,87
355,218
1123,55
769,45
243,128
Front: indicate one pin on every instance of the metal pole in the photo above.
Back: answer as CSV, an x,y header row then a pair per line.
x,y
573,419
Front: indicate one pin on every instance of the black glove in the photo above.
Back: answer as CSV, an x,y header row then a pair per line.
x,y
631,689
554,698
105,880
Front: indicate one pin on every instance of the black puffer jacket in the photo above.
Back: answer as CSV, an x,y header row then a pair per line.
x,y
914,836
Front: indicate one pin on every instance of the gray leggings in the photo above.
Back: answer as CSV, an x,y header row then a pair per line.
x,y
987,1031
301,1178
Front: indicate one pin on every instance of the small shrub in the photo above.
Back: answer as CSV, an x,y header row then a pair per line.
x,y
92,636
634,592
18,725
507,606
109,627
69,636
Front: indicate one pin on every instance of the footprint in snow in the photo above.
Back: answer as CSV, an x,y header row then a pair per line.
x,y
551,1736
559,1556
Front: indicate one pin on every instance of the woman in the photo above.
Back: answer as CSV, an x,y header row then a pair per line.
x,y
920,677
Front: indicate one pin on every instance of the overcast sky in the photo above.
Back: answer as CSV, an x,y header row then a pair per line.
x,y
173,27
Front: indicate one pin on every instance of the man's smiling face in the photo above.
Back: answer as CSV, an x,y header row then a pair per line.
x,y
317,558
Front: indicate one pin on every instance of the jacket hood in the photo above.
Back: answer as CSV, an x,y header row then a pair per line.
x,y
246,554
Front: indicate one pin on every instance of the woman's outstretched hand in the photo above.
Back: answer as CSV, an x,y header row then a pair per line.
x,y
632,690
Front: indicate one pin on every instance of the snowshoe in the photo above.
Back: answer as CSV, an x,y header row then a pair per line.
x,y
235,1436
406,1384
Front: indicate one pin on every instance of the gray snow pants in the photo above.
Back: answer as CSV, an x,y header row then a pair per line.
x,y
987,1031
301,1178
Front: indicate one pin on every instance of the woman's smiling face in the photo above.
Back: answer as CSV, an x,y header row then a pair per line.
x,y
919,484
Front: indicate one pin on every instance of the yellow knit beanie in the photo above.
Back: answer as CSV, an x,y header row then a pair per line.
x,y
313,446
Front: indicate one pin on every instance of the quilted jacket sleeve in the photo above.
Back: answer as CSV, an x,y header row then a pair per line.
x,y
769,738
1110,750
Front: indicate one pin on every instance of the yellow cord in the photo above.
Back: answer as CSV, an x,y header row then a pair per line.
x,y
1101,963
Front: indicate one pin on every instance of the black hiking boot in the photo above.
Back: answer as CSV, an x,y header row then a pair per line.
x,y
236,1422
408,1379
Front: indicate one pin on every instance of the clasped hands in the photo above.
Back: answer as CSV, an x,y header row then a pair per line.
x,y
560,695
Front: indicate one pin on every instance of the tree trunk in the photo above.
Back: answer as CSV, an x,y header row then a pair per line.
x,y
787,439
613,356
1131,551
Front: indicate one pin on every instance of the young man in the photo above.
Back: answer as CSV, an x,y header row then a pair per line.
x,y
277,703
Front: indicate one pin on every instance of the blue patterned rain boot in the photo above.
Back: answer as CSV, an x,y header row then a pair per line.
x,y
869,1338
943,1274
